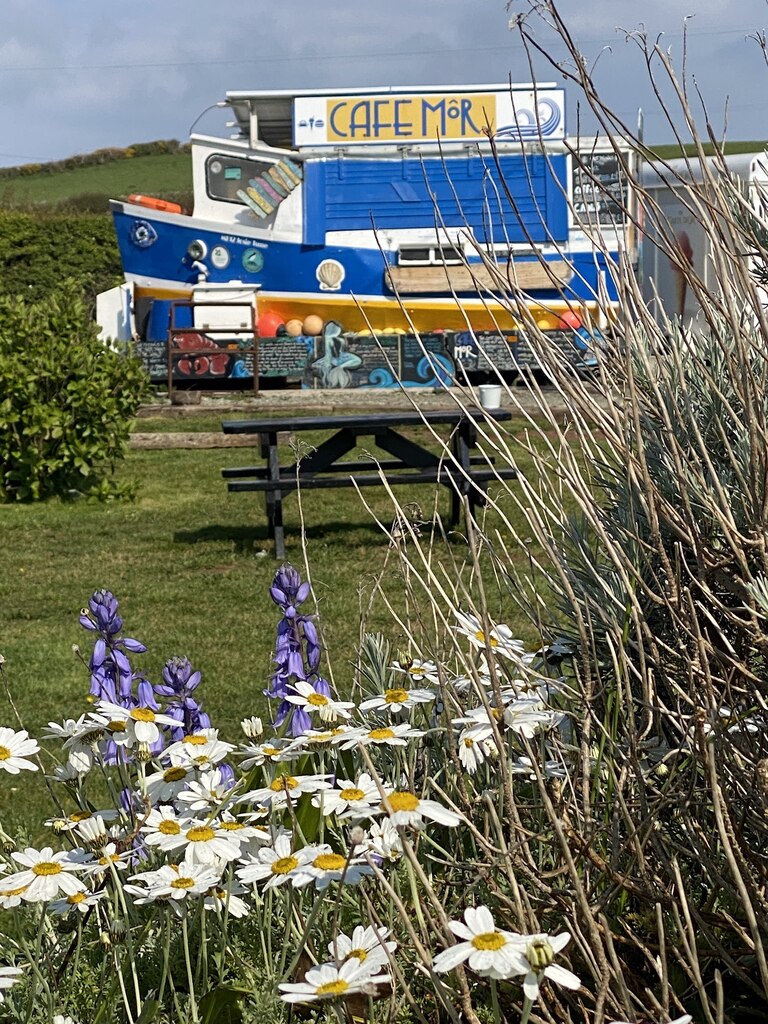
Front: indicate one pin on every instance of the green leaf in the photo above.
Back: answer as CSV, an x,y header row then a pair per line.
x,y
221,1005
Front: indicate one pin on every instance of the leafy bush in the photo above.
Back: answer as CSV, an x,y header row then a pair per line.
x,y
66,399
39,250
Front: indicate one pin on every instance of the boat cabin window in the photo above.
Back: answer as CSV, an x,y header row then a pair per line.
x,y
226,175
429,255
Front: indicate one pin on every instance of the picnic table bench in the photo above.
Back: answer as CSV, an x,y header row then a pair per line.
x,y
464,474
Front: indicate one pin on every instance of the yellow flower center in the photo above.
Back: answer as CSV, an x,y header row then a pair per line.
x,y
491,640
283,783
201,834
116,725
489,940
396,696
358,954
317,700
539,954
75,898
4,753
329,862
80,816
169,828
332,988
270,751
381,734
175,774
231,826
13,892
183,883
109,859
47,867
402,801
142,715
352,794
196,740
283,865
468,742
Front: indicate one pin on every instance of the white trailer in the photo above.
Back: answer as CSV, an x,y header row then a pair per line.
x,y
672,220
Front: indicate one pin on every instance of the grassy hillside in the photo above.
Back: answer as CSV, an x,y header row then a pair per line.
x,y
104,175
167,175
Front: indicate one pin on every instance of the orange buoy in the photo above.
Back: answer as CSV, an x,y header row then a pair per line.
x,y
163,205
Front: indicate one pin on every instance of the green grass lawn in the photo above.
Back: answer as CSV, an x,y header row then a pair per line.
x,y
186,560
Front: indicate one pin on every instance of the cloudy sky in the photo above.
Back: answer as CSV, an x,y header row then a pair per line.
x,y
79,75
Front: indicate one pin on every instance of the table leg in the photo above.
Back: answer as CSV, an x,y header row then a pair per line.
x,y
274,496
463,438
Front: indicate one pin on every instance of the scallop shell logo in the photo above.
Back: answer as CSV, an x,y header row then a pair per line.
x,y
330,274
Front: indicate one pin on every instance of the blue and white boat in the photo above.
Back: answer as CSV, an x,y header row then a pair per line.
x,y
384,210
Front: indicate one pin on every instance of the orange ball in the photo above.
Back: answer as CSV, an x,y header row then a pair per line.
x,y
269,324
293,328
313,325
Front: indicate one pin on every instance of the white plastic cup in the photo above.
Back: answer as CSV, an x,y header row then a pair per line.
x,y
490,396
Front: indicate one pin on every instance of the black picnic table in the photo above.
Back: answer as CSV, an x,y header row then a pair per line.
x,y
325,466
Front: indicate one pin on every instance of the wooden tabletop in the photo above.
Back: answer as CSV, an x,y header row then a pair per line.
x,y
405,418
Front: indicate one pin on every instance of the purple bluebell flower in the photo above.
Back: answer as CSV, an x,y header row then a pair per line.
x,y
111,673
179,683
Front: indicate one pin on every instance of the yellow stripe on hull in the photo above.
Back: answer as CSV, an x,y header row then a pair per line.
x,y
383,315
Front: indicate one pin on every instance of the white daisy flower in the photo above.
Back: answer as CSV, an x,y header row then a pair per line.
x,y
383,841
257,754
500,637
173,881
418,671
8,978
93,832
549,769
368,946
165,785
207,843
225,899
164,828
529,717
350,799
318,738
59,1018
397,700
10,897
473,752
490,951
108,858
277,864
244,830
46,873
685,1019
536,954
328,981
142,725
308,698
322,866
79,902
15,749
211,791
72,822
405,808
252,727
389,735
200,749
285,787
79,738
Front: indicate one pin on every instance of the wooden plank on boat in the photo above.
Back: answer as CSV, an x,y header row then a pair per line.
x,y
525,274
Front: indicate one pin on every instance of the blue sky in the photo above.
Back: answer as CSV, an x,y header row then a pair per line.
x,y
78,75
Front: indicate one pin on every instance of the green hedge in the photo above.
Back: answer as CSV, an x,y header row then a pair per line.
x,y
39,250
